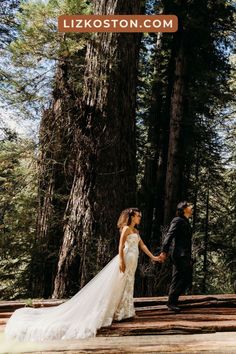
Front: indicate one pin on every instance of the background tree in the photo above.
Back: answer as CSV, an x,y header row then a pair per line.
x,y
194,80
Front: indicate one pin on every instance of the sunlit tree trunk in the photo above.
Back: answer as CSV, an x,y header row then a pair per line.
x,y
104,182
56,171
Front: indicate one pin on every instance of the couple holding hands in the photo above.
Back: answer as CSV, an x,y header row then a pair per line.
x,y
178,242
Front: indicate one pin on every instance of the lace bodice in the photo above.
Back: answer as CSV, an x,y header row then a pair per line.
x,y
132,242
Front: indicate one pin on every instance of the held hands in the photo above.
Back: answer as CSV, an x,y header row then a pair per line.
x,y
161,258
156,259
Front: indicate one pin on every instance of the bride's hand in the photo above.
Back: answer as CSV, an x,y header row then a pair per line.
x,y
157,259
122,266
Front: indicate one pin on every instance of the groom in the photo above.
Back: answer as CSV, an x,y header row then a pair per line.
x,y
180,233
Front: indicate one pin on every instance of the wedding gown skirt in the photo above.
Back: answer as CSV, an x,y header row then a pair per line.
x,y
108,296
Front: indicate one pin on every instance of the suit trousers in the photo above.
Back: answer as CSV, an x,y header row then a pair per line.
x,y
181,278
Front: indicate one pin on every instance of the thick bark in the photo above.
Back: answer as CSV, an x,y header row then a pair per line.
x,y
175,148
205,251
104,182
163,142
56,167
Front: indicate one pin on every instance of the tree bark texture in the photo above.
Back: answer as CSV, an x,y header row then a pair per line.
x,y
175,148
104,182
56,170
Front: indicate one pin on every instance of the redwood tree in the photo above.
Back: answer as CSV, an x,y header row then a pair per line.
x,y
104,181
176,131
56,169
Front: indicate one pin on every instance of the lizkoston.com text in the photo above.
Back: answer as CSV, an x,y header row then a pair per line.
x,y
118,23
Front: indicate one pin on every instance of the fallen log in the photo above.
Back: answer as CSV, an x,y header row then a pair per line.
x,y
200,314
186,299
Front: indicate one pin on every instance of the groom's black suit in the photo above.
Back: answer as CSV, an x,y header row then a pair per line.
x,y
180,233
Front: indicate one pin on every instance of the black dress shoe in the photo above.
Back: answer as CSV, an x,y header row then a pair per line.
x,y
173,308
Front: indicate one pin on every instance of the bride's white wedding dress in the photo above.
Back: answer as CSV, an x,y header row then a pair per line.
x,y
108,296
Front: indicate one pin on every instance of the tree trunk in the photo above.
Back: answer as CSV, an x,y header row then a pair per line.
x,y
196,188
56,168
156,160
204,287
155,168
149,182
104,182
163,141
175,148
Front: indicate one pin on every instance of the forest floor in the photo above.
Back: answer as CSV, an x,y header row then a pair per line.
x,y
206,324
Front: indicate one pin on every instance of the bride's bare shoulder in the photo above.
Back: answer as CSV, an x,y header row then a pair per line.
x,y
126,230
129,231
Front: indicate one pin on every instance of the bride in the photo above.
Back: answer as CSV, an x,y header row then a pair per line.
x,y
107,297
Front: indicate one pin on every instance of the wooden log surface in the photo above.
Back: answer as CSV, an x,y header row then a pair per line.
x,y
218,343
200,315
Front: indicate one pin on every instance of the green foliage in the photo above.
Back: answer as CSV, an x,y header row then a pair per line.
x,y
215,176
38,34
215,155
18,203
34,54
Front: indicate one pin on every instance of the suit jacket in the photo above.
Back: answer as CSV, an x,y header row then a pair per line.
x,y
180,233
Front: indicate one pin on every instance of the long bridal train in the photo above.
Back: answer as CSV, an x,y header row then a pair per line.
x,y
108,296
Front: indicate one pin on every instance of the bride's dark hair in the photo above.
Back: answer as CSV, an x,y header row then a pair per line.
x,y
126,217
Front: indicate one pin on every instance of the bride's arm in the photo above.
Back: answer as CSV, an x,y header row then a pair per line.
x,y
123,237
144,248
